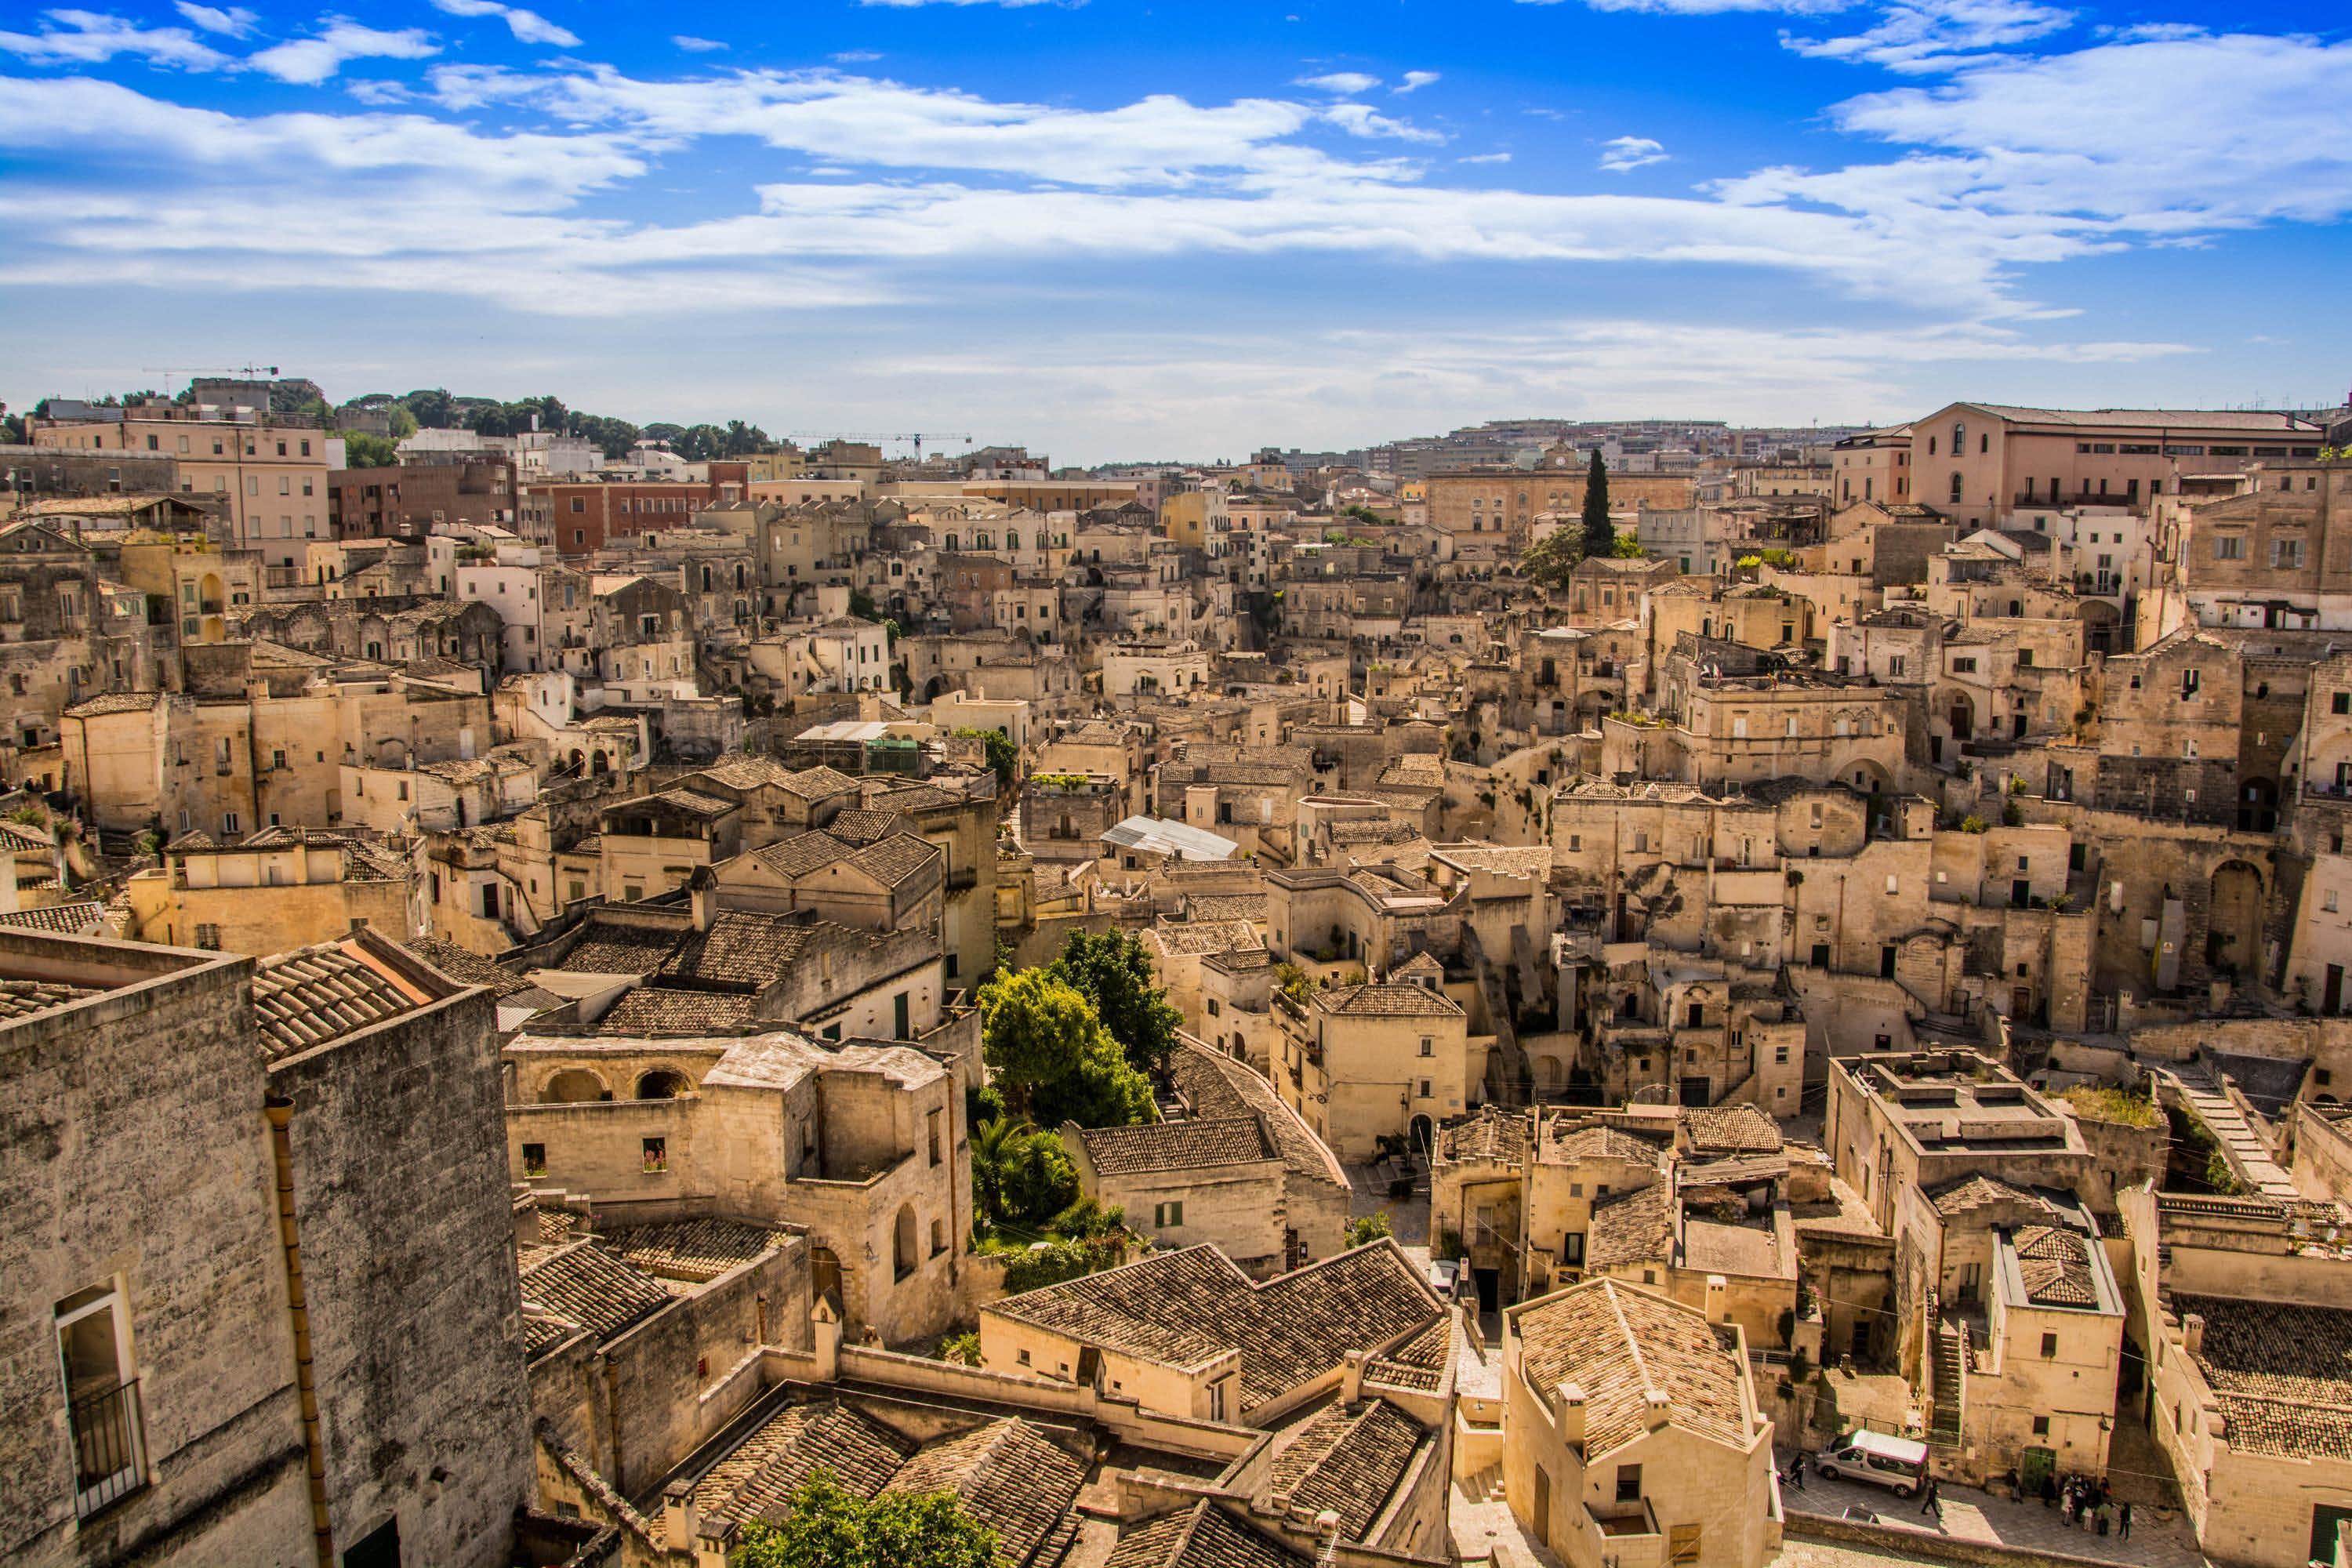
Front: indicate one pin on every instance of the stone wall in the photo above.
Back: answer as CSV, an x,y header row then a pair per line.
x,y
407,1236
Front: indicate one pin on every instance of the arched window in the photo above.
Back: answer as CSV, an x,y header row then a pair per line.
x,y
1959,437
1955,487
661,1084
575,1086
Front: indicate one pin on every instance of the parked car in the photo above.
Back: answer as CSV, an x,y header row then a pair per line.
x,y
1899,1464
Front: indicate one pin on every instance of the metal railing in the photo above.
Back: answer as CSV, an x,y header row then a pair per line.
x,y
109,1459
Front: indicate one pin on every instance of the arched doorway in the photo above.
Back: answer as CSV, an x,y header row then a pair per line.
x,y
824,1273
575,1086
902,1242
2233,920
1421,1136
661,1084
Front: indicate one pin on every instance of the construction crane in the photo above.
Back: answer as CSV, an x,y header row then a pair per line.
x,y
917,436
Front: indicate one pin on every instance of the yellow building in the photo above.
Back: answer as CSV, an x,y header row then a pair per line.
x,y
280,888
269,478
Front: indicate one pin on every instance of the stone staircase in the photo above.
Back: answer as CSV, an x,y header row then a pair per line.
x,y
1944,1421
1486,1486
2248,1155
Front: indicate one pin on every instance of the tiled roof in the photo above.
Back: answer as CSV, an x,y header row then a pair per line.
x,y
1007,1473
697,1249
59,920
2056,1271
1420,1362
593,1288
1598,1142
1201,1536
1387,1001
1175,1145
22,998
858,825
1636,1228
1196,937
899,858
1209,907
114,702
1620,1345
1217,1086
1489,1135
660,1010
758,1479
1347,1459
1731,1129
465,965
611,948
741,947
1976,1192
315,994
2282,1374
1189,1307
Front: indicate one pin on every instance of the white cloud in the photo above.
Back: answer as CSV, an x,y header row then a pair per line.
x,y
1413,81
1486,158
1922,36
234,21
91,37
693,45
855,56
528,27
1359,119
315,59
1347,82
1621,155
380,94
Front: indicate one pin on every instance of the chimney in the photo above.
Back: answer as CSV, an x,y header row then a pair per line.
x,y
1351,1378
1655,1409
1718,1298
681,1521
2193,1333
1572,1414
705,897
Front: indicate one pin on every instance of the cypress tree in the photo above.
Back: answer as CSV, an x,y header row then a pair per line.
x,y
1599,534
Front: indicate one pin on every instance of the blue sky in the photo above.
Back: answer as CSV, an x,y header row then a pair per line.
x,y
1118,229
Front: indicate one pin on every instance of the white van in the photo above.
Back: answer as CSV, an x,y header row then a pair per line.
x,y
1898,1463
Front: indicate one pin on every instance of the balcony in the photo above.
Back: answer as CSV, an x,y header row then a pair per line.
x,y
109,1458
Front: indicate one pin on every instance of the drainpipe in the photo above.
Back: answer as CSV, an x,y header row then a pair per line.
x,y
280,1113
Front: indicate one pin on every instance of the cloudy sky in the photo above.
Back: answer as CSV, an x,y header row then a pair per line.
x,y
1180,228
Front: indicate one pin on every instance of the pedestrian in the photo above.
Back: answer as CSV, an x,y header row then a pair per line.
x,y
1930,1501
2123,1521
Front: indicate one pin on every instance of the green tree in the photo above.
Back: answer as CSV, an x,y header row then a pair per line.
x,y
1552,559
1003,756
1112,970
432,406
1039,1181
362,450
1368,1229
1600,533
1629,548
1050,1057
831,1527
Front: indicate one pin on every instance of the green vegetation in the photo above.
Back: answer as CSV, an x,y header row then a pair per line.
x,y
1292,982
2096,1104
1972,823
1019,1174
1003,756
1600,533
1367,1228
829,1526
1113,972
1552,559
962,1349
362,450
1628,548
1050,1057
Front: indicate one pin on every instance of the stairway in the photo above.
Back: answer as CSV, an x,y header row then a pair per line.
x,y
2249,1156
1944,1421
1486,1486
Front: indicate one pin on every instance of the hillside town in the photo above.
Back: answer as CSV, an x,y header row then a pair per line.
x,y
1643,994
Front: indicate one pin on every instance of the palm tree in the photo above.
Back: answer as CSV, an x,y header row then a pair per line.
x,y
995,1145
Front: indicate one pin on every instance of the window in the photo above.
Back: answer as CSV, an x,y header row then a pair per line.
x,y
931,1125
2229,547
2286,553
656,1152
1424,1088
1167,1217
1428,1046
1682,1543
102,1411
2041,1425
2049,1345
534,1159
1629,1483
